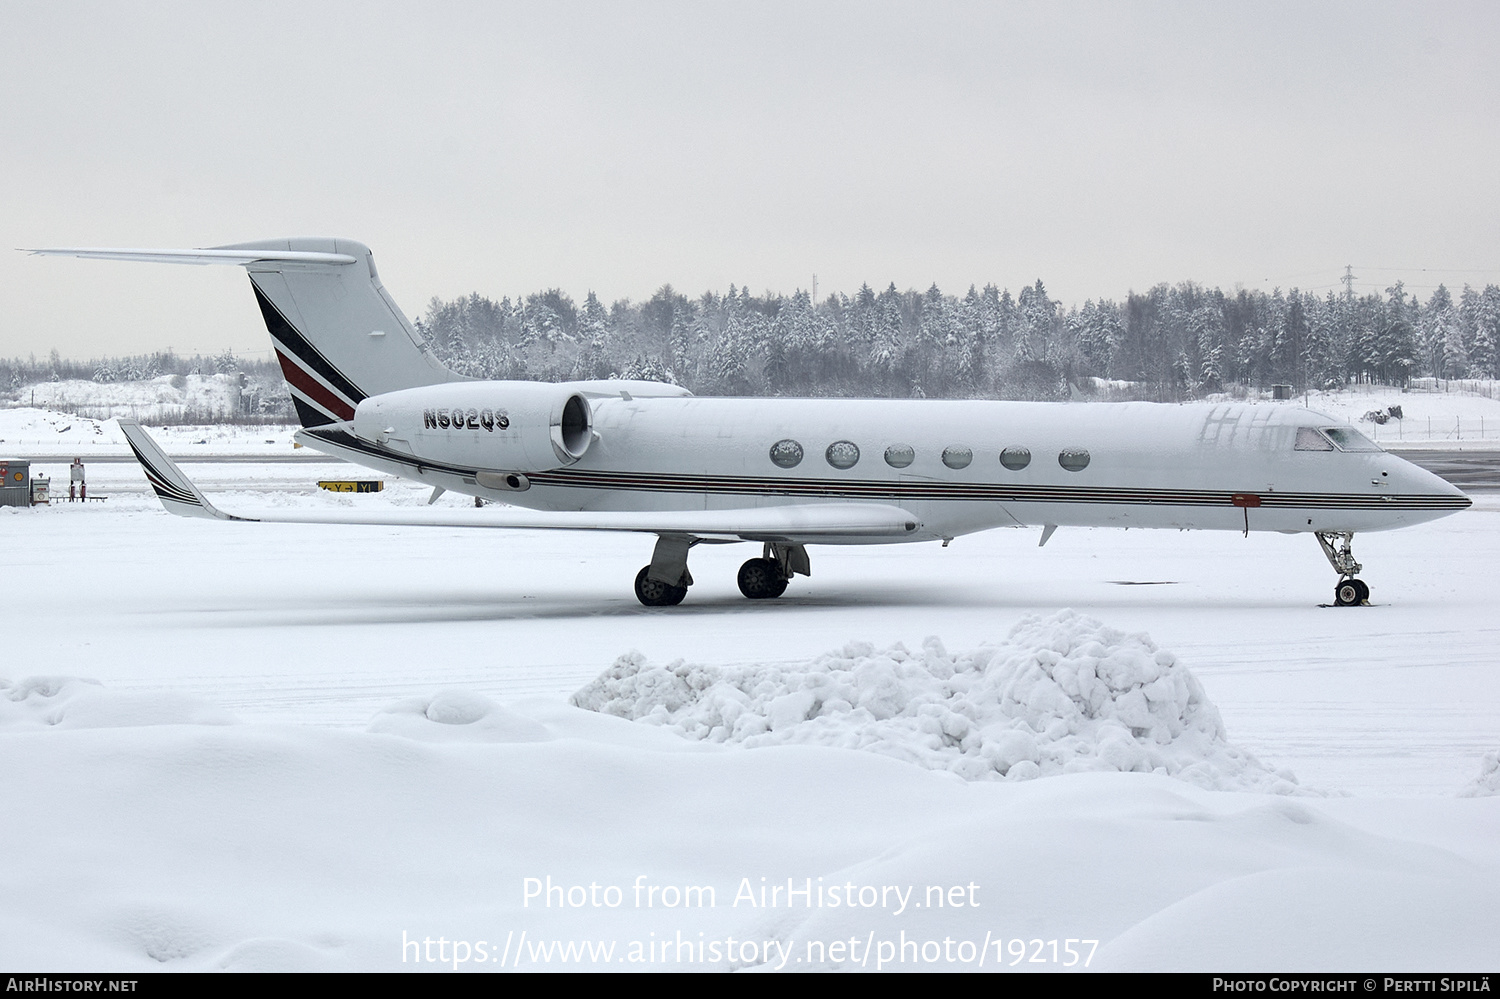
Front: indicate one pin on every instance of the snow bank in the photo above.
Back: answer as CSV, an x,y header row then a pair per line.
x,y
75,702
41,426
143,399
24,431
1487,784
456,716
1062,694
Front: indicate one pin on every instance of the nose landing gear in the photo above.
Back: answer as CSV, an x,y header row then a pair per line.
x,y
1350,592
1338,547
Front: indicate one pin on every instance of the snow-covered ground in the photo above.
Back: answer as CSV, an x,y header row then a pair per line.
x,y
26,431
1429,418
321,747
147,399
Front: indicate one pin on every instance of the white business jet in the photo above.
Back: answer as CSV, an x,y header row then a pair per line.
x,y
784,473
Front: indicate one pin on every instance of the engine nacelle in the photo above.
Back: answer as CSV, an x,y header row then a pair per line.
x,y
512,427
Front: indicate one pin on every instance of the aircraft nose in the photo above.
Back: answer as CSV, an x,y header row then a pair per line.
x,y
1412,479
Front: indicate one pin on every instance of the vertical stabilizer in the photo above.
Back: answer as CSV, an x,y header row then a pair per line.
x,y
338,335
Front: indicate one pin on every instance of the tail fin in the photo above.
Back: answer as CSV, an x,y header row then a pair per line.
x,y
337,334
172,487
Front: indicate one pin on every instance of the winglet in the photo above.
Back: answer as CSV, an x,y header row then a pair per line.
x,y
174,490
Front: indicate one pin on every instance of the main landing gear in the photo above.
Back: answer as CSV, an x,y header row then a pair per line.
x,y
761,579
654,593
1338,546
665,581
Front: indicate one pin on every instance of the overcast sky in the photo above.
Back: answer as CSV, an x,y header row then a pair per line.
x,y
510,148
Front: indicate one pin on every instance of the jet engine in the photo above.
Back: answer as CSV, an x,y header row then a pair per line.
x,y
502,429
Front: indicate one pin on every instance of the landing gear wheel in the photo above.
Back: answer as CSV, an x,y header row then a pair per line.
x,y
1338,547
657,594
1351,592
761,579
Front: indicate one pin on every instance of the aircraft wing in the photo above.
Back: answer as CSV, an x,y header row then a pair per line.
x,y
800,523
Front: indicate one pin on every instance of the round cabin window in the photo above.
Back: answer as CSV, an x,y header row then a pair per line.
x,y
900,455
1015,458
957,457
1074,459
843,454
786,453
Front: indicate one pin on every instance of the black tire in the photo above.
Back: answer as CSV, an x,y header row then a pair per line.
x,y
761,579
1348,593
1364,591
655,594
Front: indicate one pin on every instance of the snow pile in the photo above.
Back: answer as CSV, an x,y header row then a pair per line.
x,y
75,702
1487,784
456,716
1062,694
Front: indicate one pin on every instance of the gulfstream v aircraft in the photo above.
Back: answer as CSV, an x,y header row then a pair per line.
x,y
783,473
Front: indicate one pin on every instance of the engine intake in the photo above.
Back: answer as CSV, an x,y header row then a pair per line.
x,y
574,430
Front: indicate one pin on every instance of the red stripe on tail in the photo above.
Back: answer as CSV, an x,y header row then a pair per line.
x,y
313,389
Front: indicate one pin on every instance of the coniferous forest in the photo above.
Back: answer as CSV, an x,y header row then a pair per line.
x,y
1168,343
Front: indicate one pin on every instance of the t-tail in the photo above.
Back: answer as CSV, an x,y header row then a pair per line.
x,y
338,335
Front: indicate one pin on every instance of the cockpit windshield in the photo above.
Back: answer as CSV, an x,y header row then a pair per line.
x,y
1308,439
1324,439
1349,439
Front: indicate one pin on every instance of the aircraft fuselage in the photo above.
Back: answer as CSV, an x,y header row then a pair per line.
x,y
959,466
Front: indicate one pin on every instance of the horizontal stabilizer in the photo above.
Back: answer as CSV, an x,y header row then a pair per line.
x,y
199,257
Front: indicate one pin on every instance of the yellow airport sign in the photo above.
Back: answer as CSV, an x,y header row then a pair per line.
x,y
351,485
